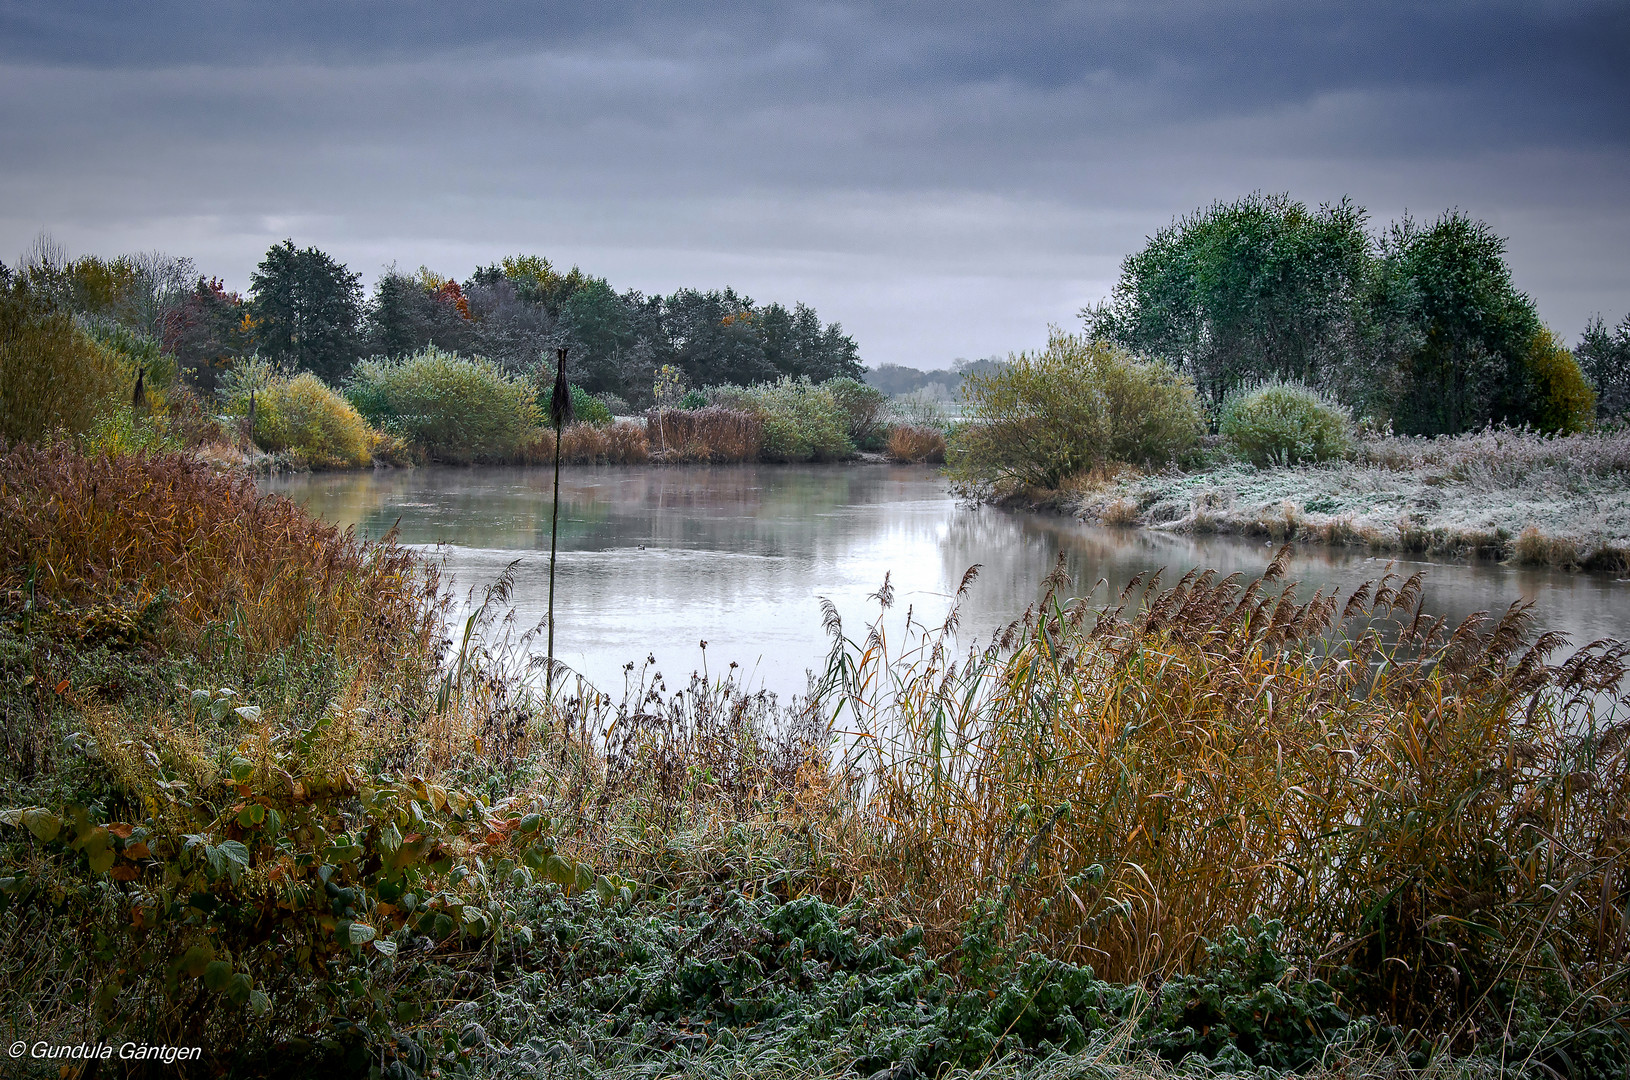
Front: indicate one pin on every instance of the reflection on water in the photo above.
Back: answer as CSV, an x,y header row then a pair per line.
x,y
655,560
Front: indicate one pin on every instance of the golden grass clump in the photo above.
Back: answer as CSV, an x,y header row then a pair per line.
x,y
620,443
713,434
1432,807
79,530
915,445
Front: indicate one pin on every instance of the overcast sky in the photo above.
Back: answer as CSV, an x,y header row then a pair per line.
x,y
943,179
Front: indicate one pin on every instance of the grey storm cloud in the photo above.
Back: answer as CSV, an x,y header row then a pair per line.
x,y
944,179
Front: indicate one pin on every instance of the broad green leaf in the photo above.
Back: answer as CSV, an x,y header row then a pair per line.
x,y
360,933
238,988
217,974
385,946
559,870
259,1003
530,823
250,713
42,823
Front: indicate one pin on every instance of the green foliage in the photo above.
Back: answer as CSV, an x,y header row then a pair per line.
x,y
1046,416
864,410
1474,329
1257,288
1605,358
454,409
1421,324
587,408
802,420
301,414
1285,423
53,375
693,400
307,310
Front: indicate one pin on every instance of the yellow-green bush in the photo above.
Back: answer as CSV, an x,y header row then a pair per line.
x,y
53,375
453,408
1045,416
1563,401
803,420
303,415
1283,423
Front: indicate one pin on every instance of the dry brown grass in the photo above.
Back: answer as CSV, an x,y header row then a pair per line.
x,y
916,445
621,443
227,561
714,434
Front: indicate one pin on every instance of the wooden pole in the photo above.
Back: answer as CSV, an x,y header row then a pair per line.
x,y
560,411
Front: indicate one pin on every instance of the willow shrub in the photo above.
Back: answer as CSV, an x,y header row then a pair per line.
x,y
53,375
453,408
1045,416
803,420
1285,423
302,415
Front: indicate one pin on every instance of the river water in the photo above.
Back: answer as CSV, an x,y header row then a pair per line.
x,y
655,560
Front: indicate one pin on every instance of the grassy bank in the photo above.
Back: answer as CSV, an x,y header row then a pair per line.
x,y
1557,501
260,800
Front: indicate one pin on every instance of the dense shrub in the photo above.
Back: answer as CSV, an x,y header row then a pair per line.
x,y
1562,400
1284,423
53,375
864,411
1049,415
915,445
454,409
802,420
587,408
693,399
301,414
713,434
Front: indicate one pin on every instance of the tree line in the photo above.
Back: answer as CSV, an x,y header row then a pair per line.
x,y
307,311
1418,324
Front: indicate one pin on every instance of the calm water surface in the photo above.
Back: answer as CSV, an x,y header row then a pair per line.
x,y
656,560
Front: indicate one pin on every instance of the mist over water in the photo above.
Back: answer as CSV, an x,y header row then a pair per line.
x,y
655,560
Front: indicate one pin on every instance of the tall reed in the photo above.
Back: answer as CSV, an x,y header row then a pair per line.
x,y
1434,811
713,434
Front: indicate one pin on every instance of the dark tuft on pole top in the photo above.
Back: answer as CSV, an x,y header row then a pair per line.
x,y
560,402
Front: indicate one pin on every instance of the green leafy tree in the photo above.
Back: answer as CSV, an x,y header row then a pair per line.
x,y
1474,328
1605,357
413,312
713,339
1257,288
598,326
795,343
307,310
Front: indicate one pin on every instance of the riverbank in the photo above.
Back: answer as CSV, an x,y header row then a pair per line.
x,y
259,803
1561,501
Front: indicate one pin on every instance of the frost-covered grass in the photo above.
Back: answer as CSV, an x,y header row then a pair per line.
x,y
1561,500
